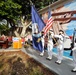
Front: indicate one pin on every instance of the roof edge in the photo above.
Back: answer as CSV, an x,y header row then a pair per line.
x,y
54,5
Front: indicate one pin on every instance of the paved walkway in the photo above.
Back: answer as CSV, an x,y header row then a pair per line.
x,y
63,69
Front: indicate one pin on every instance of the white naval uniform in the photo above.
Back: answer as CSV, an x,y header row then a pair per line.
x,y
60,47
42,40
74,55
50,46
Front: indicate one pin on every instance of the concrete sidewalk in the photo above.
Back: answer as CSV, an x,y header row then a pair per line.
x,y
63,69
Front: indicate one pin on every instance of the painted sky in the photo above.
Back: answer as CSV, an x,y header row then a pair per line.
x,y
72,24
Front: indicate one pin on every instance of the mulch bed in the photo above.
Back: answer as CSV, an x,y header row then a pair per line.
x,y
19,63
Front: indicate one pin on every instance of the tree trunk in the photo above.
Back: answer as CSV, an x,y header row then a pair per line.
x,y
25,26
16,34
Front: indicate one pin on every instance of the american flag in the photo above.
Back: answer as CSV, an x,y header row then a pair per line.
x,y
48,24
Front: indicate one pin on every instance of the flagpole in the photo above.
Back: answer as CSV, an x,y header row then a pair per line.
x,y
48,31
31,2
49,4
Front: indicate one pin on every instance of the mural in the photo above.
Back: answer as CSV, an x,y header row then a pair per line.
x,y
69,27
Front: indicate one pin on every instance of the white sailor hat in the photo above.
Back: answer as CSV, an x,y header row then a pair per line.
x,y
51,30
34,24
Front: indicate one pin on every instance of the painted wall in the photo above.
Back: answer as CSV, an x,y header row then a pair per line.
x,y
68,27
71,25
